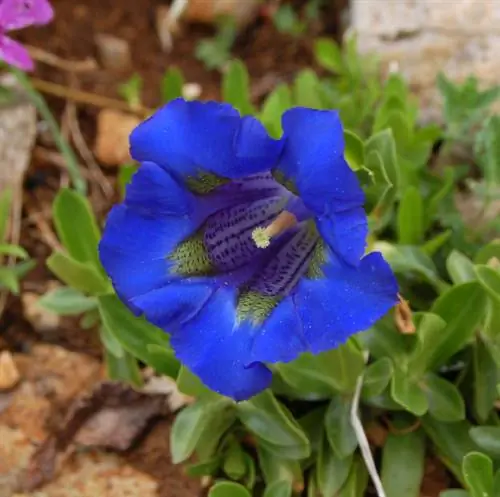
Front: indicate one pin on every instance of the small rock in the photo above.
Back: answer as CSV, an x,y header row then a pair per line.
x,y
112,141
114,52
207,11
43,321
191,91
9,374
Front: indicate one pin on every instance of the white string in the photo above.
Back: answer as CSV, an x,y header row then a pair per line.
x,y
363,440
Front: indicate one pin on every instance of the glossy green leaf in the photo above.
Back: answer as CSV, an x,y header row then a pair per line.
x,y
279,489
228,489
277,102
408,393
13,250
452,442
354,150
486,378
123,368
454,493
125,174
489,251
357,481
411,217
190,423
434,202
487,439
159,354
111,344
329,55
462,307
491,157
434,244
276,469
324,374
213,434
307,89
234,464
339,430
76,227
269,420
67,301
134,334
490,280
403,458
205,468
478,474
172,84
313,425
9,280
377,376
236,87
189,384
78,275
444,398
406,259
331,471
460,268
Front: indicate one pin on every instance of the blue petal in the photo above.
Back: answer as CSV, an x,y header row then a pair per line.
x,y
174,304
189,137
140,234
280,338
346,301
346,233
313,160
214,347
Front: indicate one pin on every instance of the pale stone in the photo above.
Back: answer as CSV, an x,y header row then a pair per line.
x,y
9,374
422,38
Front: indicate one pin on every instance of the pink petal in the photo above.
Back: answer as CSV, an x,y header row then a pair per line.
x,y
17,14
15,54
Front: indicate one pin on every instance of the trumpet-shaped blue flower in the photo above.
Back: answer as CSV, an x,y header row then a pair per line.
x,y
246,249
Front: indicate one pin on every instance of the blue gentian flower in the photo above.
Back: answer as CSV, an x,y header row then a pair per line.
x,y
245,249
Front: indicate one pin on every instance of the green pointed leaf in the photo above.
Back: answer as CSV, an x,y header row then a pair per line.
x,y
487,438
125,174
228,489
357,481
234,464
189,384
454,493
462,307
489,251
408,393
236,87
270,421
354,150
411,217
134,334
460,268
444,398
213,434
452,442
78,275
434,244
67,301
329,55
279,489
278,469
377,376
339,430
190,423
171,84
307,90
278,101
491,159
478,474
111,344
490,280
486,378
123,368
165,356
76,227
9,280
13,250
331,471
403,458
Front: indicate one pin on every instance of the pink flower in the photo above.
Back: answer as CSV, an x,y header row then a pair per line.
x,y
17,14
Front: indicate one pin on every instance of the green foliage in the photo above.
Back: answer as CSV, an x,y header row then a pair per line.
x,y
131,91
438,386
216,52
